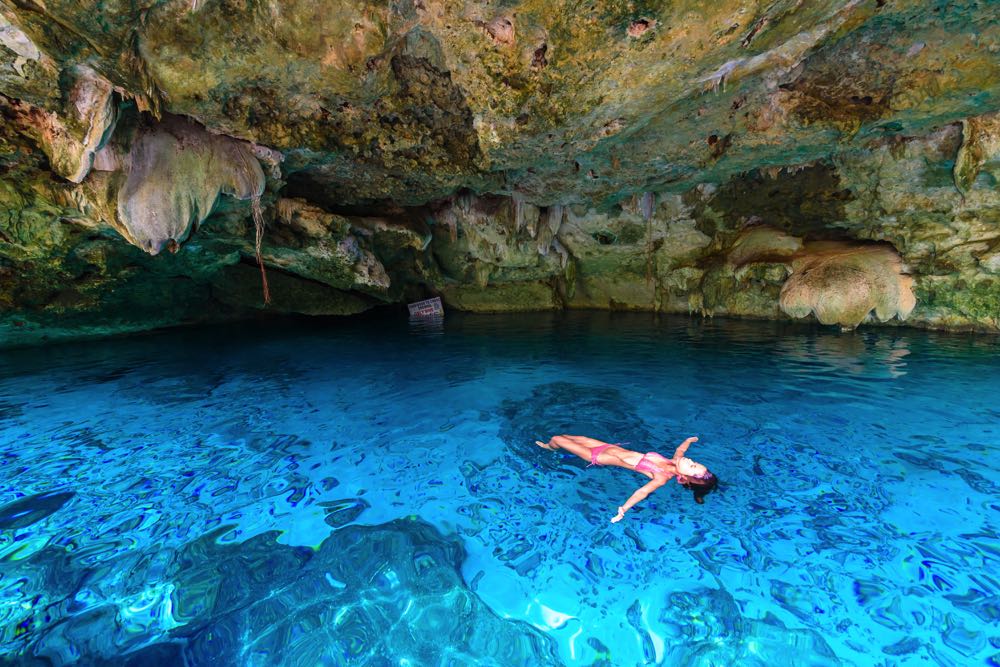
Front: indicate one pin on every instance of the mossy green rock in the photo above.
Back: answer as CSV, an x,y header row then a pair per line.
x,y
679,157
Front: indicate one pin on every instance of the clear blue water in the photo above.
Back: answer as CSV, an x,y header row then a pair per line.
x,y
367,493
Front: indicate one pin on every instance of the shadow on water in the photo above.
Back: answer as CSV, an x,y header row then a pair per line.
x,y
567,407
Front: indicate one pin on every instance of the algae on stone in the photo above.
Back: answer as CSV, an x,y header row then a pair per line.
x,y
980,142
669,157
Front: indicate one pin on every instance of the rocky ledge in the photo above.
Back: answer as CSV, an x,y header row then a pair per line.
x,y
174,161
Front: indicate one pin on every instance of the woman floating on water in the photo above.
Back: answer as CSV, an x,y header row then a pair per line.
x,y
658,468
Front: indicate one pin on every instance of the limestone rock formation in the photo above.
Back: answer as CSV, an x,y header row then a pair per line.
x,y
678,158
71,139
174,172
845,283
327,249
980,144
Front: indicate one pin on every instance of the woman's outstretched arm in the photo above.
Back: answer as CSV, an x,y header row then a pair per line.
x,y
684,447
640,494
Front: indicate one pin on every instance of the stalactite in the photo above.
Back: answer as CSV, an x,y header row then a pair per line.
x,y
548,230
448,219
562,252
518,200
555,217
481,273
646,205
175,172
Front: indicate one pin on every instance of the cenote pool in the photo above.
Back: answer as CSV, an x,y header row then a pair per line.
x,y
367,493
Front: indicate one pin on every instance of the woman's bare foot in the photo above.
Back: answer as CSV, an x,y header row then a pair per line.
x,y
544,445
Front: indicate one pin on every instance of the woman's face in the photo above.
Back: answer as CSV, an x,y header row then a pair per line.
x,y
688,468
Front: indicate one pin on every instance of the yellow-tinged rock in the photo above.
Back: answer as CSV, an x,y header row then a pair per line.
x,y
843,283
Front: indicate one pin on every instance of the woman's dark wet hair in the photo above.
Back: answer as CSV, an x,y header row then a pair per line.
x,y
701,486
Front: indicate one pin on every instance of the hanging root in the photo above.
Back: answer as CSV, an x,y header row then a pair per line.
x,y
258,223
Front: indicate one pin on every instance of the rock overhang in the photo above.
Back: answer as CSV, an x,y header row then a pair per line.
x,y
828,120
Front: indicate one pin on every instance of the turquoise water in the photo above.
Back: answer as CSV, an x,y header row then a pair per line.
x,y
367,493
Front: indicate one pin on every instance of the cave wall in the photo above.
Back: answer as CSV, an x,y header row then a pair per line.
x,y
830,160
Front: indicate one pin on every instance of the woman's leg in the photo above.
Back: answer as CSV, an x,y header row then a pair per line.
x,y
575,445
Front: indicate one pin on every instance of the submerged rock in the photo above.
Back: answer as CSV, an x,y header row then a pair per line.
x,y
27,511
370,595
703,615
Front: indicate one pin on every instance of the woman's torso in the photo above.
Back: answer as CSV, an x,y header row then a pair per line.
x,y
650,463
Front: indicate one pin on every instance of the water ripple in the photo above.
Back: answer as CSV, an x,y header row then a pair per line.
x,y
244,497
